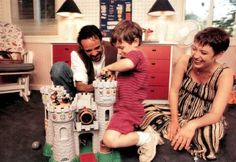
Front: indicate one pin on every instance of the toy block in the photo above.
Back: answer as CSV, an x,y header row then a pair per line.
x,y
87,157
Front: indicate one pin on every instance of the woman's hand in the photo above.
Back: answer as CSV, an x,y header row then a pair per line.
x,y
172,130
184,137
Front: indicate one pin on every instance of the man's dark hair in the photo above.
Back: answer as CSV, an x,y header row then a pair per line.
x,y
89,31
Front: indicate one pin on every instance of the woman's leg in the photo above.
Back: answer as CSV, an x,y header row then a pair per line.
x,y
205,143
156,116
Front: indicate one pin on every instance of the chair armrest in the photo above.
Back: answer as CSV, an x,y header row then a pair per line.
x,y
28,57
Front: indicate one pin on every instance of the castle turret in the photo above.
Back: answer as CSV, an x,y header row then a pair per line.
x,y
62,117
59,123
46,92
105,97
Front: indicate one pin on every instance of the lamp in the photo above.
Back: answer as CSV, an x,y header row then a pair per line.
x,y
161,8
69,10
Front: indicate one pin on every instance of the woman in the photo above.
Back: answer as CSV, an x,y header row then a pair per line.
x,y
198,97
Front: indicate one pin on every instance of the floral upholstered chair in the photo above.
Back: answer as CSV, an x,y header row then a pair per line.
x,y
15,61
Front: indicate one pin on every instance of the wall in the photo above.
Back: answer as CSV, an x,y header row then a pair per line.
x,y
42,62
42,45
230,58
90,10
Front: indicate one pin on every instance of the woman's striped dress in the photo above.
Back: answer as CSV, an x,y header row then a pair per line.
x,y
195,100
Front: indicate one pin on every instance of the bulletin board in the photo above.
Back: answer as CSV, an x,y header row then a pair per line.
x,y
111,12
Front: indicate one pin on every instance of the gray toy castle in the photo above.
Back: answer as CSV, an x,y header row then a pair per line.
x,y
67,120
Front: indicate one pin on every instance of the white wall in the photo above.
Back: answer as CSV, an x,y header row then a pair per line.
x,y
230,58
42,63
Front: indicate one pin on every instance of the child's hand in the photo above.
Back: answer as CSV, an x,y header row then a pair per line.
x,y
105,71
105,74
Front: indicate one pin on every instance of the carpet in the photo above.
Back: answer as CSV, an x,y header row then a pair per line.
x,y
22,123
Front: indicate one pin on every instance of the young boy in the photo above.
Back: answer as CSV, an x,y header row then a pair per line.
x,y
132,87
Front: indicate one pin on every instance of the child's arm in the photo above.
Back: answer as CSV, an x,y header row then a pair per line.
x,y
119,66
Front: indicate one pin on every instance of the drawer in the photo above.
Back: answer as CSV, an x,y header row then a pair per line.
x,y
156,51
157,92
161,79
162,66
61,52
59,49
64,59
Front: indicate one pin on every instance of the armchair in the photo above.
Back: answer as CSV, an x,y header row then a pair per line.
x,y
16,63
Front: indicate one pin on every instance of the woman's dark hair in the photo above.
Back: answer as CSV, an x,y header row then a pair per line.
x,y
86,32
217,38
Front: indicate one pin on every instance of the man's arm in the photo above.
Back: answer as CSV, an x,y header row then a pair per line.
x,y
82,87
80,74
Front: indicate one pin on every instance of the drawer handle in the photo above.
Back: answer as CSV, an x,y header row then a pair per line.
x,y
153,77
153,63
154,50
66,49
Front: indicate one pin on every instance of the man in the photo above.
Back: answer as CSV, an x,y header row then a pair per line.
x,y
93,54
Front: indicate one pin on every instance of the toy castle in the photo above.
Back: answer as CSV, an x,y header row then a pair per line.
x,y
66,119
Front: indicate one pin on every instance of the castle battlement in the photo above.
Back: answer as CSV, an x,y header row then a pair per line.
x,y
61,108
105,92
82,100
104,84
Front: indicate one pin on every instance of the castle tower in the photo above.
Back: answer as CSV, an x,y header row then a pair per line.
x,y
62,117
59,117
105,97
46,91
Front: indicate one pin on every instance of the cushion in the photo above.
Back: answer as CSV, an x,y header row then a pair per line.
x,y
7,57
24,67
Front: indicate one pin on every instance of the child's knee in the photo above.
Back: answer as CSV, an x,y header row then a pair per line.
x,y
109,142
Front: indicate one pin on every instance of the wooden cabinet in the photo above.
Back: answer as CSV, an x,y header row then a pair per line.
x,y
61,52
159,70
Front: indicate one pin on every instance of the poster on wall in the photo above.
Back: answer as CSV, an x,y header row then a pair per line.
x,y
111,12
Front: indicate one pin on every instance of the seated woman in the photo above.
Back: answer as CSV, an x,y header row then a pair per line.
x,y
198,96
